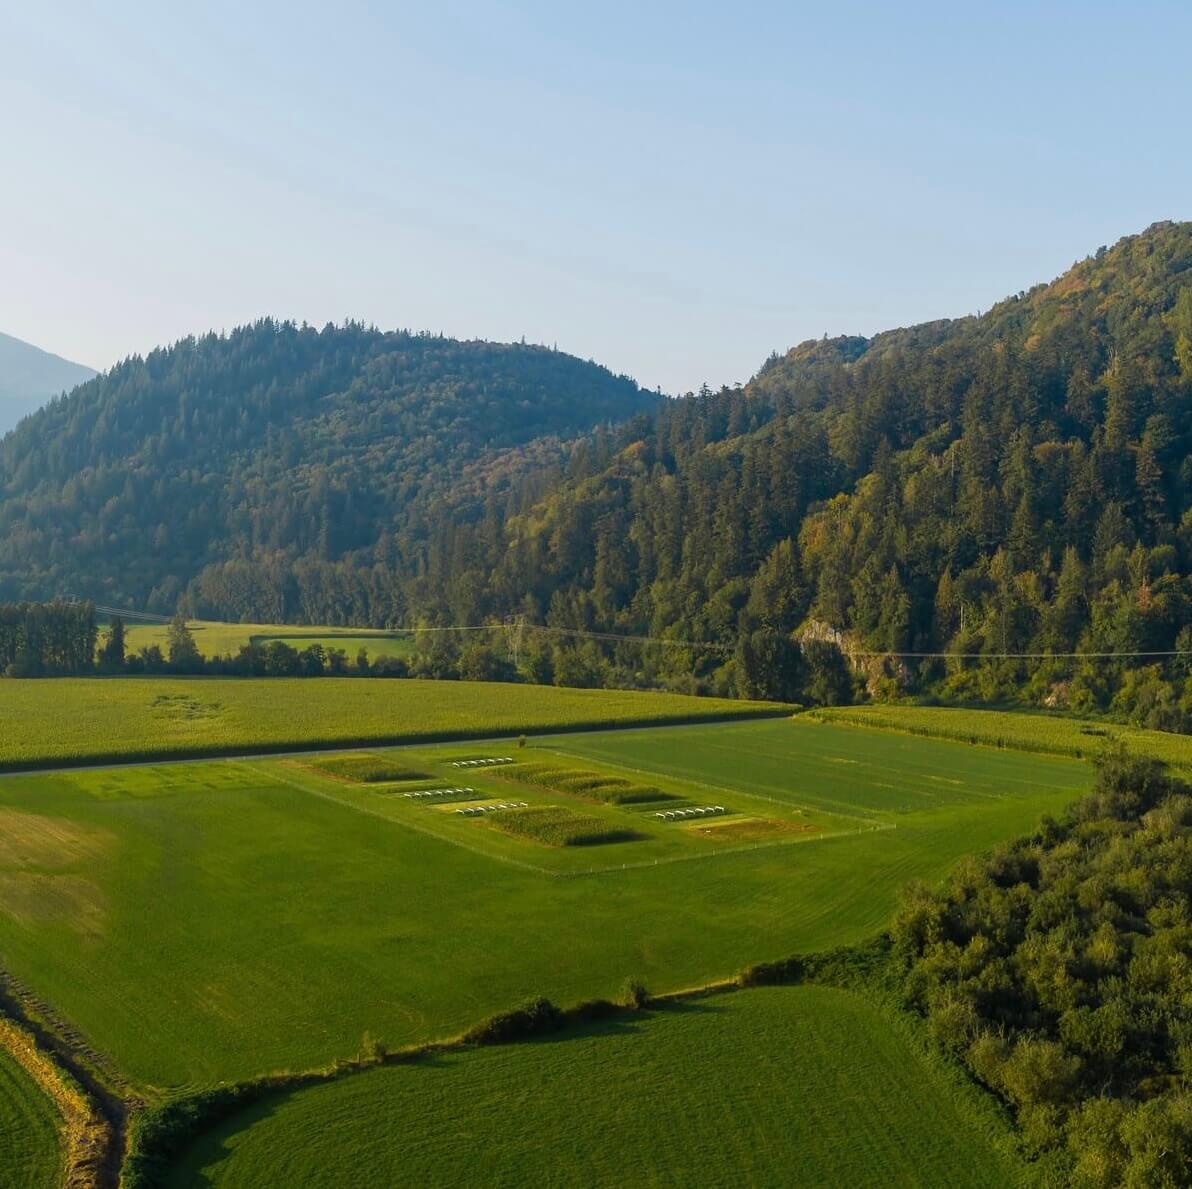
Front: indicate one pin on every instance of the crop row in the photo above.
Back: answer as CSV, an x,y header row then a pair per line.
x,y
595,786
89,720
561,827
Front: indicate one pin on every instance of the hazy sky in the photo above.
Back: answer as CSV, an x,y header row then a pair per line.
x,y
674,189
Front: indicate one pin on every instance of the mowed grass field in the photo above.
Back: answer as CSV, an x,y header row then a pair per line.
x,y
29,1145
775,1086
224,639
1004,728
211,921
76,720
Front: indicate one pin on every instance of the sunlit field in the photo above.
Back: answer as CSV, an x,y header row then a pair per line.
x,y
93,720
216,920
790,1086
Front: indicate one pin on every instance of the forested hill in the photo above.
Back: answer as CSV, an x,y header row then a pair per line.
x,y
281,443
1014,482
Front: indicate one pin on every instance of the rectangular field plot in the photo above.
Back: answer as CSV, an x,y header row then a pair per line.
x,y
71,720
208,921
577,819
366,768
836,769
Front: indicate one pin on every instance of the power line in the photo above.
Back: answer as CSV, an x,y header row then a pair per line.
x,y
514,626
1025,656
618,638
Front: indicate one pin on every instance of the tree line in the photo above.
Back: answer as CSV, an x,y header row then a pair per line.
x,y
47,639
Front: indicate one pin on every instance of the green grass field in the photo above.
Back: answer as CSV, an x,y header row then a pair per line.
x,y
71,720
216,920
1004,728
224,639
29,1146
778,1086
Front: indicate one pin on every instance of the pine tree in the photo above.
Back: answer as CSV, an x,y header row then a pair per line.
x,y
181,649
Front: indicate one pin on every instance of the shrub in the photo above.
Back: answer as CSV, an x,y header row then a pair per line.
x,y
634,994
590,1011
533,1018
771,974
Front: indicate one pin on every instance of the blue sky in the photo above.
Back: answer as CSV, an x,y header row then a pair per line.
x,y
672,189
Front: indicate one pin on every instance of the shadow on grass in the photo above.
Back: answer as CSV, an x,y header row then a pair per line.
x,y
196,1167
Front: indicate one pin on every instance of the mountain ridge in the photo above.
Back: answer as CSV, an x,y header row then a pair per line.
x,y
1014,481
31,376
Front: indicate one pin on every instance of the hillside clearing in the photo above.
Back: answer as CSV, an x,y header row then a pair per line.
x,y
226,639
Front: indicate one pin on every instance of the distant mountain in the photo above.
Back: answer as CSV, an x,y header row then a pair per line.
x,y
339,450
30,376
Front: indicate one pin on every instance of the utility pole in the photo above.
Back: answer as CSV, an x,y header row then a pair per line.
x,y
515,627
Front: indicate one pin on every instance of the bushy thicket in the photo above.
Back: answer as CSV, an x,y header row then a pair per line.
x,y
1059,969
533,1018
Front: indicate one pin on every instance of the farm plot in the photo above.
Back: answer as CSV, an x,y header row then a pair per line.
x,y
29,1144
572,810
366,769
871,775
223,639
1046,733
211,921
557,826
96,720
782,1086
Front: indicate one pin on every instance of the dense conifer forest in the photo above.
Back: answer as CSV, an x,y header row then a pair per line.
x,y
286,446
1014,482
